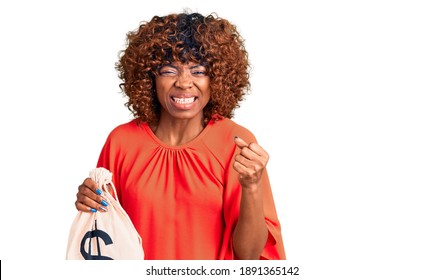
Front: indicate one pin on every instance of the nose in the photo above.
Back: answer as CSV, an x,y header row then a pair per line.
x,y
184,80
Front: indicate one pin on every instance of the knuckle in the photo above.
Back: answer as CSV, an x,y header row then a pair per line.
x,y
236,165
263,163
250,173
255,168
81,199
81,190
77,205
88,183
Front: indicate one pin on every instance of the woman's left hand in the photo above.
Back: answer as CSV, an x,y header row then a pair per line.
x,y
250,162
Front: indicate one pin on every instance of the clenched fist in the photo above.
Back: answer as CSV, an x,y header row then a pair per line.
x,y
250,162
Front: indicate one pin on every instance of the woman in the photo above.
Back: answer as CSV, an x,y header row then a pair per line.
x,y
193,182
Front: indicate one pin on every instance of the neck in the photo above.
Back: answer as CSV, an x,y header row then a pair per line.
x,y
177,132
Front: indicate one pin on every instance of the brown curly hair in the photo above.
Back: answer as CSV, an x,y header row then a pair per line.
x,y
210,41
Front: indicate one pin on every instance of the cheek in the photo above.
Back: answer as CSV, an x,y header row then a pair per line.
x,y
206,94
161,89
205,87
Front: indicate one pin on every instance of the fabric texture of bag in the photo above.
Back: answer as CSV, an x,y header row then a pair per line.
x,y
106,235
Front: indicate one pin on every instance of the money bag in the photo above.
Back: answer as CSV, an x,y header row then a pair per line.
x,y
106,235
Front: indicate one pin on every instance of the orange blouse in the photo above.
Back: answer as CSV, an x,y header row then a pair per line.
x,y
184,200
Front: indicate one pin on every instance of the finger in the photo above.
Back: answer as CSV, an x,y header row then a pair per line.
x,y
244,148
240,142
85,196
242,169
90,199
257,149
82,207
246,175
244,161
248,168
89,183
251,150
249,158
84,190
87,204
247,153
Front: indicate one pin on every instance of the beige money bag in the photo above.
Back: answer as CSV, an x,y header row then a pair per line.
x,y
106,235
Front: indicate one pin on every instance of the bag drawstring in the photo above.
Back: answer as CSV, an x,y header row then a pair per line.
x,y
103,177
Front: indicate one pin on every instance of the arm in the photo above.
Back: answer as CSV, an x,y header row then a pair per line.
x,y
251,232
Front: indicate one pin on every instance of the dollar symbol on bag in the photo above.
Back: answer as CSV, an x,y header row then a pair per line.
x,y
96,233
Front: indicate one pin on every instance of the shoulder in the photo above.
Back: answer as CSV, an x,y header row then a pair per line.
x,y
132,127
226,129
219,138
128,132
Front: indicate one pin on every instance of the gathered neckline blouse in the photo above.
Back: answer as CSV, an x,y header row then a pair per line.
x,y
184,200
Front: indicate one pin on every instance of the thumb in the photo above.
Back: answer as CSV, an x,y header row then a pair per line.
x,y
240,142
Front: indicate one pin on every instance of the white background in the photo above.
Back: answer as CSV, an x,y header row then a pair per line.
x,y
346,98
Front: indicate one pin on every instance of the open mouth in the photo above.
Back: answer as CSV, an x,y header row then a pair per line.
x,y
187,100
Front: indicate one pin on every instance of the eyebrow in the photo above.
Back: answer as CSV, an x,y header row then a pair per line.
x,y
196,66
175,67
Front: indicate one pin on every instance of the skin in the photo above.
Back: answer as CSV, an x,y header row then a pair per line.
x,y
250,163
179,124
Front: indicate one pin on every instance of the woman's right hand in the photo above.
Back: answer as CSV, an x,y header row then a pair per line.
x,y
90,198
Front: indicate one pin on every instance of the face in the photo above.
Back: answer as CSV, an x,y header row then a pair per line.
x,y
183,90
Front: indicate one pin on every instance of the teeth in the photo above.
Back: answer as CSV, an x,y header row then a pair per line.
x,y
183,100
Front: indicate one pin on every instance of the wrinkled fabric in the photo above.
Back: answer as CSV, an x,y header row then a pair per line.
x,y
184,200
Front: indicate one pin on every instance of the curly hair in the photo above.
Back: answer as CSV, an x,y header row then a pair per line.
x,y
210,41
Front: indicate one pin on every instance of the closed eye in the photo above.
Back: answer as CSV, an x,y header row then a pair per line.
x,y
199,73
167,71
198,70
